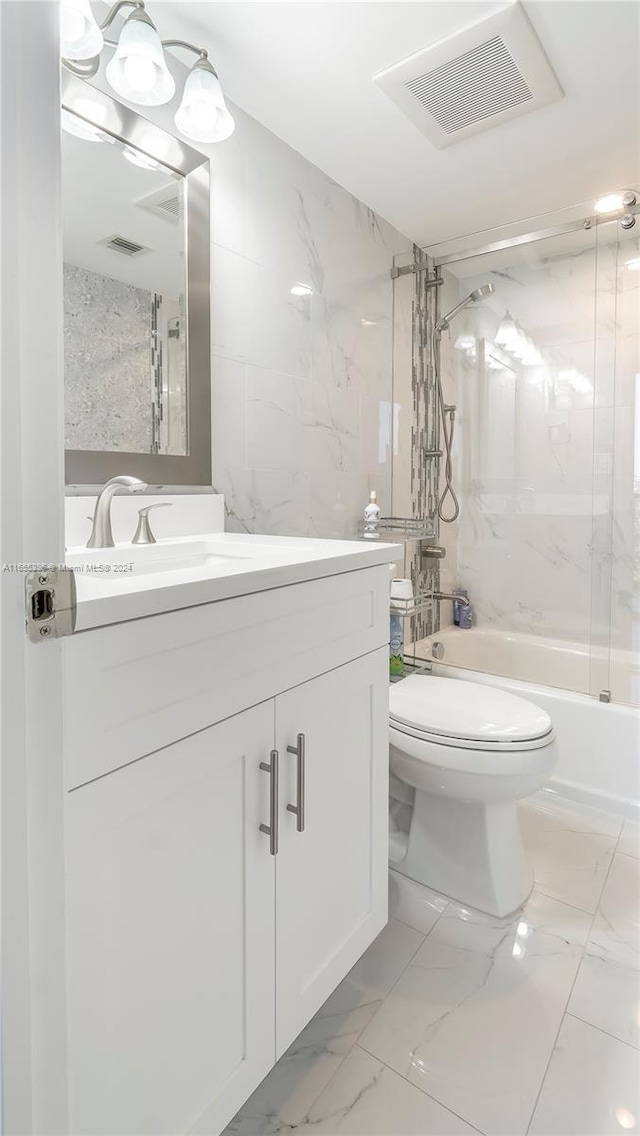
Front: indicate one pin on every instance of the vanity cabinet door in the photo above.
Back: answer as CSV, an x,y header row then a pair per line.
x,y
331,890
171,935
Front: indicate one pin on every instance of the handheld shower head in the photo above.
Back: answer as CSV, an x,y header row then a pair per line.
x,y
481,292
478,294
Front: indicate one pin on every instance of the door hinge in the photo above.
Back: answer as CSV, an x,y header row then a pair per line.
x,y
51,603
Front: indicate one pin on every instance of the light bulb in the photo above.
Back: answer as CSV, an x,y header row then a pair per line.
x,y
80,36
203,114
301,290
138,70
633,265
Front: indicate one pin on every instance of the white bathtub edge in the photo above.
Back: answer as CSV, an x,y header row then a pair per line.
x,y
582,795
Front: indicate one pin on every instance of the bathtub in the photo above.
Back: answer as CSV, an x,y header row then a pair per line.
x,y
598,742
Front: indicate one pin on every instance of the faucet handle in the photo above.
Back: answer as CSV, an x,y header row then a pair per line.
x,y
143,533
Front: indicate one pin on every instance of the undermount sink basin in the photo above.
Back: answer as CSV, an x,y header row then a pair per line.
x,y
140,559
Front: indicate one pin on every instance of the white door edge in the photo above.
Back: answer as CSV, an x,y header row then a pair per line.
x,y
32,986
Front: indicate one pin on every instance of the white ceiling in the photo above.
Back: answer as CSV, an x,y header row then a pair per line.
x,y
101,192
304,69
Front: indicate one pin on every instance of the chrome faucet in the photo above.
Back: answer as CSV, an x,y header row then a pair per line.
x,y
101,532
462,600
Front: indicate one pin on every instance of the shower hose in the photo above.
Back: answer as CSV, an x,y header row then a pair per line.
x,y
447,433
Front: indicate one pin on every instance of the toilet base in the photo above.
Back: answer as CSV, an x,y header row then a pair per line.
x,y
469,851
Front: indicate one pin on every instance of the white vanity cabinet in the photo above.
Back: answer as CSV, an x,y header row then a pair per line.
x,y
170,933
196,954
331,878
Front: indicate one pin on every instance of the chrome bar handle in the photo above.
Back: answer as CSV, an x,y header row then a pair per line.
x,y
271,829
298,808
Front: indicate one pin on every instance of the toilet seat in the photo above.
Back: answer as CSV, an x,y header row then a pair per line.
x,y
469,743
449,711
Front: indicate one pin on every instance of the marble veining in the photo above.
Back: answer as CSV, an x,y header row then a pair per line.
x,y
455,1022
607,989
302,385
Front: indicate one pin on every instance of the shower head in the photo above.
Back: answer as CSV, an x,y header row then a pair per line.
x,y
481,292
478,294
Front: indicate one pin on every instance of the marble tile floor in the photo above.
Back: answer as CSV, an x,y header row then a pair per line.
x,y
454,1022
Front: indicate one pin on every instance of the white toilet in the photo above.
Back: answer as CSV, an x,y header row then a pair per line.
x,y
470,752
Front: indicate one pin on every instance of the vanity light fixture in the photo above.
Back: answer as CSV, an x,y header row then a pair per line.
x,y
80,36
138,70
518,345
507,333
203,114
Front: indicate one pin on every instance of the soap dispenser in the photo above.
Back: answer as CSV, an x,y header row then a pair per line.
x,y
372,518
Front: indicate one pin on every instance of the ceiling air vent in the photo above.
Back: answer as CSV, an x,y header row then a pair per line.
x,y
123,245
476,79
165,202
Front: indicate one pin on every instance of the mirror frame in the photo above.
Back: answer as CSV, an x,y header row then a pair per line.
x,y
89,468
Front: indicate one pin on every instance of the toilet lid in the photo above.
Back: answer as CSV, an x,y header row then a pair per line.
x,y
472,711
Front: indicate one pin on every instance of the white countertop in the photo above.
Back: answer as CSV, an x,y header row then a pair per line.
x,y
134,581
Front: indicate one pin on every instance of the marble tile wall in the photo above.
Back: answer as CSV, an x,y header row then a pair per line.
x,y
107,363
302,385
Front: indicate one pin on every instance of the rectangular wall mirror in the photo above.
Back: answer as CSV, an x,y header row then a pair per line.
x,y
136,296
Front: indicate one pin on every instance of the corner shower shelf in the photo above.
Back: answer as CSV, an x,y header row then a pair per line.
x,y
407,528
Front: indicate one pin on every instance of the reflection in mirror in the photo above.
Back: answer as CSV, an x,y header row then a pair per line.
x,y
124,296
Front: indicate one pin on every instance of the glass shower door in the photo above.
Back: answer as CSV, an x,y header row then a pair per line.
x,y
615,607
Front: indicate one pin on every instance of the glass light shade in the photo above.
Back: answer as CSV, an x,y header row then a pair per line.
x,y
81,129
507,332
203,114
80,36
138,70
